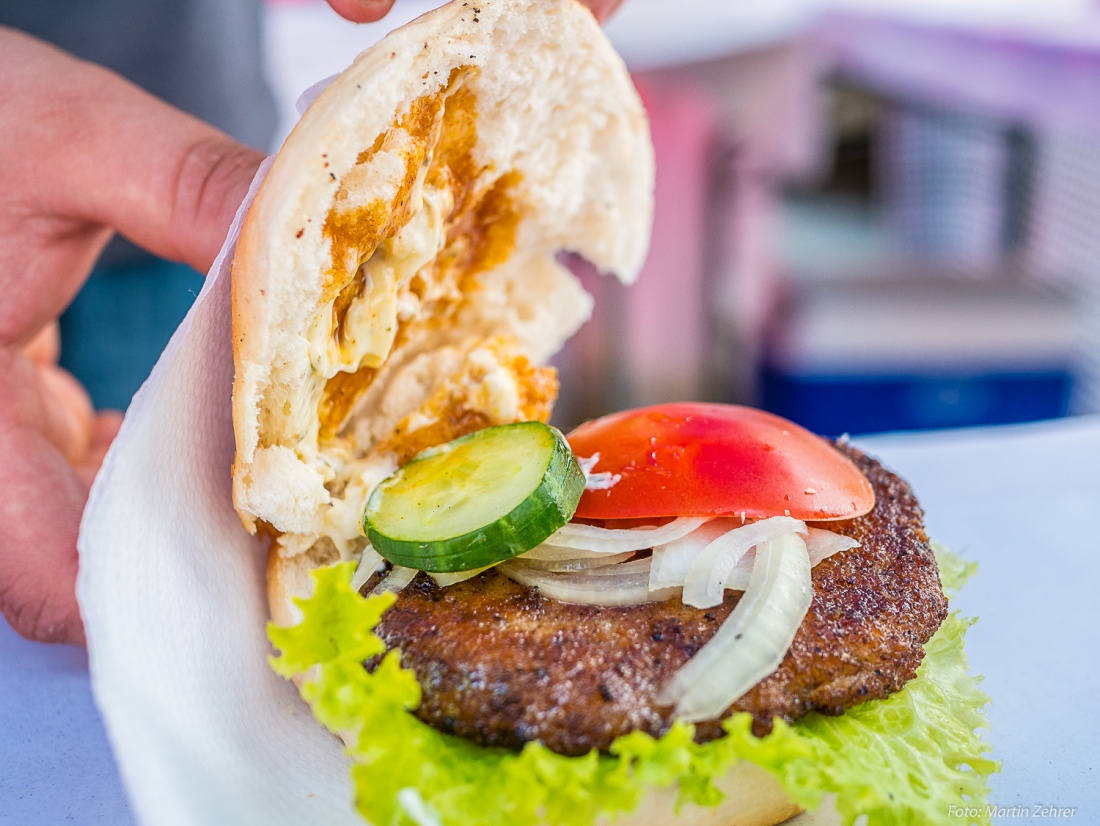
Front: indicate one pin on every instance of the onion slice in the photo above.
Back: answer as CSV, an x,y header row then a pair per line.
x,y
369,562
822,544
620,540
574,563
596,481
753,640
554,553
705,583
672,560
396,581
623,584
636,567
453,578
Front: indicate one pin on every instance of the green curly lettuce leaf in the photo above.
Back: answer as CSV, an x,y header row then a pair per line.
x,y
907,759
954,570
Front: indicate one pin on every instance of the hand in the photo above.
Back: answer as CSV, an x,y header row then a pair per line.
x,y
83,435
367,11
82,153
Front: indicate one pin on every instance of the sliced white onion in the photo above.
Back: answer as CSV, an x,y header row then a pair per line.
x,y
369,562
555,553
588,463
573,563
739,575
672,560
604,480
636,567
396,580
603,586
822,544
705,583
753,640
443,580
620,540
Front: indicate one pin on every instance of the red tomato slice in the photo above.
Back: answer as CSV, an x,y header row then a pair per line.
x,y
694,459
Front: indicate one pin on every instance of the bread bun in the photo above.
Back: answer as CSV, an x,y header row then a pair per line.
x,y
396,279
398,265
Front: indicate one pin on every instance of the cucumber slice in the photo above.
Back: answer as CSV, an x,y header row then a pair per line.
x,y
476,501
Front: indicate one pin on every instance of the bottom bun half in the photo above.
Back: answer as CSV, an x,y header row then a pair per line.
x,y
752,797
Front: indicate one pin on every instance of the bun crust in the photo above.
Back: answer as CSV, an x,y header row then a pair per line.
x,y
402,251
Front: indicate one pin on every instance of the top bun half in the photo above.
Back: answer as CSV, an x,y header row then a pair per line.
x,y
396,282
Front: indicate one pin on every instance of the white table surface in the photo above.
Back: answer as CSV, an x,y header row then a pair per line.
x,y
1022,501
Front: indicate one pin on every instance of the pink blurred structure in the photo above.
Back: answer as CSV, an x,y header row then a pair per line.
x,y
726,133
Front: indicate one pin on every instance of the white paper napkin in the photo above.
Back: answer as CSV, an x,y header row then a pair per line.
x,y
172,592
171,588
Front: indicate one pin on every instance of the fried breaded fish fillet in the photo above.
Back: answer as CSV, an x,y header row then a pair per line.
x,y
501,665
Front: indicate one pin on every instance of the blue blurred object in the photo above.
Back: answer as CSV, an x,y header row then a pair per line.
x,y
920,353
115,329
836,404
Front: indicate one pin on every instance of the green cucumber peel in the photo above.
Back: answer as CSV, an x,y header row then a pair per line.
x,y
477,500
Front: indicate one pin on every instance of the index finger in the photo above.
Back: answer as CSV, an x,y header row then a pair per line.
x,y
82,149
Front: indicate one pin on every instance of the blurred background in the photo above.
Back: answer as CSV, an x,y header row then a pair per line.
x,y
871,215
